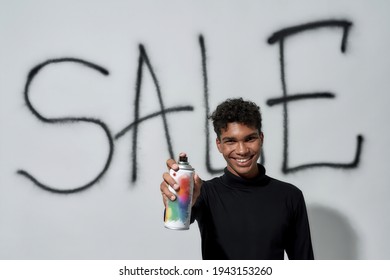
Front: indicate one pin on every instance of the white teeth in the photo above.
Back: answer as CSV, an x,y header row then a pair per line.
x,y
242,159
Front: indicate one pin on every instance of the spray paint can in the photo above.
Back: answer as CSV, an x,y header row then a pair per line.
x,y
178,212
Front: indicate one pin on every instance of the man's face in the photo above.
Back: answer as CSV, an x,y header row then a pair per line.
x,y
240,145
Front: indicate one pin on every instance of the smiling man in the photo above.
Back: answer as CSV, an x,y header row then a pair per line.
x,y
245,214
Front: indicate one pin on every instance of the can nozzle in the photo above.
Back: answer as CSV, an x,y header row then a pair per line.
x,y
183,158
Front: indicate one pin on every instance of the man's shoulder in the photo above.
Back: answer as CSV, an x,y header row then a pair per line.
x,y
212,182
284,186
213,185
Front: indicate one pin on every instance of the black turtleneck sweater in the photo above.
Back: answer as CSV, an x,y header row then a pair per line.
x,y
252,219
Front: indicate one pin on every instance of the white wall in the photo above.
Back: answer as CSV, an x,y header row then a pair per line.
x,y
52,124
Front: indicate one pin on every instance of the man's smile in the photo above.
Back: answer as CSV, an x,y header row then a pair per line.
x,y
243,160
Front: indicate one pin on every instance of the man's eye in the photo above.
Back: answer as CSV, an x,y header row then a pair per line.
x,y
251,139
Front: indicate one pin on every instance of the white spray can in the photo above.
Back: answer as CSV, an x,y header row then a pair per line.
x,y
178,212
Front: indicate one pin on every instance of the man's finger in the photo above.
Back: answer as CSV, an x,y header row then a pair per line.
x,y
171,164
170,181
165,191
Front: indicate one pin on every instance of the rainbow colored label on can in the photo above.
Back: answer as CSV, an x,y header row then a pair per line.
x,y
178,212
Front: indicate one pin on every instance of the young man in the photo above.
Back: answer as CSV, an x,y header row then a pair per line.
x,y
245,214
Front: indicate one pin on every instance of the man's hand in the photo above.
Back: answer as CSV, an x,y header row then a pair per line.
x,y
169,181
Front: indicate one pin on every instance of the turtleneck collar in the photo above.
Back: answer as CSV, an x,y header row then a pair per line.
x,y
235,181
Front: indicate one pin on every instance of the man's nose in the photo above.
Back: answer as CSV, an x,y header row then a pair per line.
x,y
241,148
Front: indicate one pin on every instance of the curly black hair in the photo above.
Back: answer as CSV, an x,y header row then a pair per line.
x,y
236,110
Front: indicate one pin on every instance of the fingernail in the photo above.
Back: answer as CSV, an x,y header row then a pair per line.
x,y
173,197
175,187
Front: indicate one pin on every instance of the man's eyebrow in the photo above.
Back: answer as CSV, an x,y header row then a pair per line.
x,y
228,138
254,134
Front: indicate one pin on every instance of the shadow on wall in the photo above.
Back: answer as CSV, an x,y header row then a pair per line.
x,y
332,235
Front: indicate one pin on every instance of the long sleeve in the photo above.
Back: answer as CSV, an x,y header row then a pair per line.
x,y
299,245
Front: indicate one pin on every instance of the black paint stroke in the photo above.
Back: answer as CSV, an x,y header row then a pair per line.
x,y
349,165
34,71
284,33
296,97
209,168
144,59
150,116
280,37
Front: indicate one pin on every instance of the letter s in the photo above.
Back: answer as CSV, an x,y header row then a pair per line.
x,y
67,120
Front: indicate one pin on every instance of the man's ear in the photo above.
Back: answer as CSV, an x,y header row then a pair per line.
x,y
218,142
